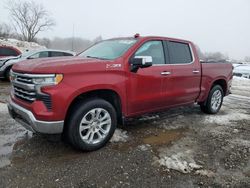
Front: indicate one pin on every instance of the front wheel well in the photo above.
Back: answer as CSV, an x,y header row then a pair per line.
x,y
109,95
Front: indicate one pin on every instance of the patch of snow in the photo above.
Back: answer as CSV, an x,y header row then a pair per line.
x,y
144,147
240,142
207,173
3,108
224,119
145,117
21,45
119,136
240,97
181,161
172,127
235,131
241,86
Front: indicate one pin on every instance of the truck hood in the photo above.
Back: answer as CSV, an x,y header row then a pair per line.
x,y
53,65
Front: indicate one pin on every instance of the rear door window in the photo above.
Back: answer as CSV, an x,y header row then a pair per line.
x,y
56,54
179,53
67,54
39,55
43,54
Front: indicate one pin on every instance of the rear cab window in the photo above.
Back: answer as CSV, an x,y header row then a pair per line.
x,y
179,53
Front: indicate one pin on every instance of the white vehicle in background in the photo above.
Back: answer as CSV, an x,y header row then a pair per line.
x,y
8,62
242,70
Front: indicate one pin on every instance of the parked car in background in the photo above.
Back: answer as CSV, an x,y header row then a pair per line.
x,y
242,70
85,96
8,51
7,63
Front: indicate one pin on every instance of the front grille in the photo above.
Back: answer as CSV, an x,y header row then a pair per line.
x,y
24,79
25,90
23,94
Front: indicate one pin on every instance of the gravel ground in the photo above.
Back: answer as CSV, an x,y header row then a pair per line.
x,y
177,148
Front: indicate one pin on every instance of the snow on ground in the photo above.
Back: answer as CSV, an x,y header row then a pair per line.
x,y
207,173
144,147
241,86
241,142
179,156
21,45
120,136
182,161
147,117
224,119
3,108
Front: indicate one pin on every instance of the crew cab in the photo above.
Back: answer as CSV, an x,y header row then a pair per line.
x,y
84,97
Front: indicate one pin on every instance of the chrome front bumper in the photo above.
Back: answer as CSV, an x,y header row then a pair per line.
x,y
28,120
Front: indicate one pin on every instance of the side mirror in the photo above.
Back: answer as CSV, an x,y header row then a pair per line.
x,y
140,62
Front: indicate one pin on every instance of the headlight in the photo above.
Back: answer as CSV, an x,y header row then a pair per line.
x,y
44,80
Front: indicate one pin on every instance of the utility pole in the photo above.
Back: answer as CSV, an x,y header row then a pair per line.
x,y
73,38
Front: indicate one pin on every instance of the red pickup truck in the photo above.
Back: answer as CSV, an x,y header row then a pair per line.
x,y
84,97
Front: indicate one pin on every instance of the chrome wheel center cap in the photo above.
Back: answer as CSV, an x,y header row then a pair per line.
x,y
95,126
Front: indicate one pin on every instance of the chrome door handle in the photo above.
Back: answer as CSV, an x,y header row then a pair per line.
x,y
195,71
165,73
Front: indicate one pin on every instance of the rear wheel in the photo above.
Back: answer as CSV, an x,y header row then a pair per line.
x,y
214,101
91,124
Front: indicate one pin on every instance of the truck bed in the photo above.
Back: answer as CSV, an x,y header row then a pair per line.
x,y
214,71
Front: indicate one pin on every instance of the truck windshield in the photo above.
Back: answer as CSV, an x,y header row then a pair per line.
x,y
108,49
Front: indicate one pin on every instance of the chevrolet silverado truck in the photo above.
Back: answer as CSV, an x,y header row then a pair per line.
x,y
86,96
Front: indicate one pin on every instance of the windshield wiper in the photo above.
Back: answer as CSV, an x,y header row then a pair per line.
x,y
88,56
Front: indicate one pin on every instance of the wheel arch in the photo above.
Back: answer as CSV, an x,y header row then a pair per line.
x,y
218,81
107,94
221,82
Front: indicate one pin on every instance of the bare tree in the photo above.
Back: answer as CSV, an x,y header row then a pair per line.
x,y
5,30
247,58
29,18
216,56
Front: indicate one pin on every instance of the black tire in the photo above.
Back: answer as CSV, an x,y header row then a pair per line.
x,y
207,107
7,74
79,111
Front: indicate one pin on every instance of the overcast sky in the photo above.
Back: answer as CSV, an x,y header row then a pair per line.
x,y
215,25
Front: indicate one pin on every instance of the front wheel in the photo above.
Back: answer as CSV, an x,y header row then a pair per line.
x,y
7,74
91,124
214,101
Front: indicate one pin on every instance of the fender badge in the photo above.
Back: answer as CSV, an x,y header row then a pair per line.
x,y
113,66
